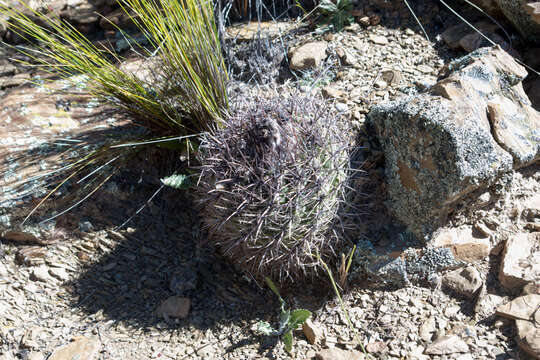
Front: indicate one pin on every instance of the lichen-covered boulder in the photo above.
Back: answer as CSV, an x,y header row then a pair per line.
x,y
464,134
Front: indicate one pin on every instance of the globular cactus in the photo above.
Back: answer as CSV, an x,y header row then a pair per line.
x,y
273,183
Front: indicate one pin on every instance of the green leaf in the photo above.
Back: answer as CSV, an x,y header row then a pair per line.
x,y
177,181
287,340
298,317
272,286
328,6
263,327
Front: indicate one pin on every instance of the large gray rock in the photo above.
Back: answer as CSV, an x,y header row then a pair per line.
x,y
464,134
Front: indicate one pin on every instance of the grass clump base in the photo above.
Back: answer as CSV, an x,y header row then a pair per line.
x,y
273,181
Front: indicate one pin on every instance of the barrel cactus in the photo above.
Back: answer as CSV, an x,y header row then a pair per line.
x,y
273,183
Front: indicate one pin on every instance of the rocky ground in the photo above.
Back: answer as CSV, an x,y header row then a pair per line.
x,y
79,287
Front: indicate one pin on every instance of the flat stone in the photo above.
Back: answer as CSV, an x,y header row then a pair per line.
x,y
41,273
59,273
339,354
308,56
529,336
312,332
427,329
465,281
175,306
378,39
446,345
521,308
330,92
464,245
80,349
516,268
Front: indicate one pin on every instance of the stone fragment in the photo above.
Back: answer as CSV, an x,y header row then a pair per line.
x,y
59,273
31,255
526,311
308,56
345,56
446,345
439,145
486,304
312,332
517,265
339,354
463,244
330,92
377,347
529,289
35,356
175,306
80,349
529,336
465,281
427,329
41,273
523,307
378,39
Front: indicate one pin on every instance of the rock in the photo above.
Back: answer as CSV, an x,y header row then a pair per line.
x,y
312,332
529,336
345,56
59,273
175,306
522,308
529,289
466,281
439,146
523,15
341,107
531,208
31,255
463,244
35,356
80,349
446,345
486,304
308,56
329,92
339,354
427,329
526,311
41,273
378,39
517,269
377,347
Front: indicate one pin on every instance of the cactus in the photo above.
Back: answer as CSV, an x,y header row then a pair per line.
x,y
273,182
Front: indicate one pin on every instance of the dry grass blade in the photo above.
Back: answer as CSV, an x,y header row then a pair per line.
x,y
184,93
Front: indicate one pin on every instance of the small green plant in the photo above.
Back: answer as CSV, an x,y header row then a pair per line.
x,y
337,13
288,320
346,264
